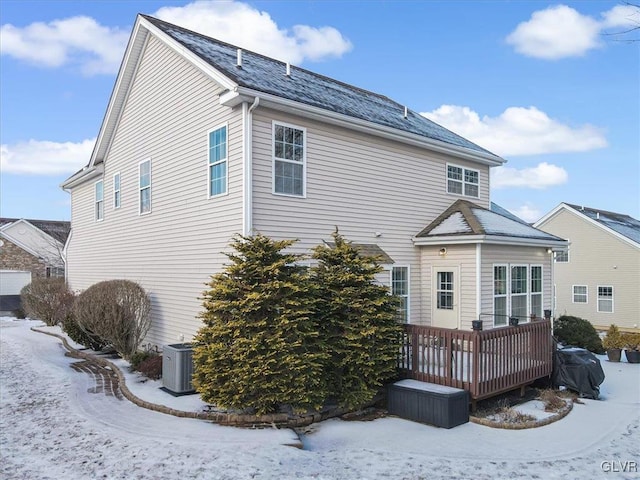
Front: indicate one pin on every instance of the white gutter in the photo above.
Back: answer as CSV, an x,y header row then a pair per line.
x,y
490,239
241,94
86,174
247,166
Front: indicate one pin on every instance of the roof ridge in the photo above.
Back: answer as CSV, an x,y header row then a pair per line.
x,y
582,208
296,67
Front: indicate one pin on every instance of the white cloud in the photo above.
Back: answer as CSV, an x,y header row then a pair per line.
x,y
561,31
77,40
542,176
518,131
98,49
527,212
242,25
622,16
37,157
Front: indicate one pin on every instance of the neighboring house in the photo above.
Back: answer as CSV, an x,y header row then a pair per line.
x,y
598,277
202,141
29,249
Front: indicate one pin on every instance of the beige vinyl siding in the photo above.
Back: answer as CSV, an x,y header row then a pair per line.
x,y
596,257
360,183
462,256
173,250
513,255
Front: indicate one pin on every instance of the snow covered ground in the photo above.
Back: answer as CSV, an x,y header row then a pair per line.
x,y
51,427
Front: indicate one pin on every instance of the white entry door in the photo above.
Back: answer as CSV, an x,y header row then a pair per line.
x,y
446,295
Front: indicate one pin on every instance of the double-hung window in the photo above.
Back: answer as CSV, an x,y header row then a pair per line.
x,y
605,299
116,190
519,292
289,158
536,290
463,181
218,161
144,182
562,256
99,200
400,288
500,311
580,294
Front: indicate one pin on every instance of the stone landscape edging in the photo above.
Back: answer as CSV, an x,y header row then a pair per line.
x,y
276,420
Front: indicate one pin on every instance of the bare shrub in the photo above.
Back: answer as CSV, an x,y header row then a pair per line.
x,y
47,299
511,415
117,311
552,402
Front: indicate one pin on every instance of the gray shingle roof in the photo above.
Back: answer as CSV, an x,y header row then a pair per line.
x,y
267,75
467,218
57,229
620,223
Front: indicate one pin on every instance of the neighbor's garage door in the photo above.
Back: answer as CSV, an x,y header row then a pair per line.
x,y
12,281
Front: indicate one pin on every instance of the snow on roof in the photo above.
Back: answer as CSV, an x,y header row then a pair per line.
x,y
467,218
267,75
623,224
451,225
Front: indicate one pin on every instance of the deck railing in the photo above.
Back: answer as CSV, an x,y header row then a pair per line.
x,y
485,362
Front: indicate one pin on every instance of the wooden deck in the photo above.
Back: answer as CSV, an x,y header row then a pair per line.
x,y
485,363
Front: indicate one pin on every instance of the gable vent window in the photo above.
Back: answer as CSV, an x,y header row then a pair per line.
x,y
99,200
144,175
218,161
463,181
289,153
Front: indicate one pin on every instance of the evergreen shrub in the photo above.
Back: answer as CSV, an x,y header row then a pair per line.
x,y
356,318
577,332
83,337
259,346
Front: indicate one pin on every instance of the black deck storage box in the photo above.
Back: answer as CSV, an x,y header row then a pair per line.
x,y
423,402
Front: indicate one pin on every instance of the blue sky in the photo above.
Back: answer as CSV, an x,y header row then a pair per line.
x,y
542,84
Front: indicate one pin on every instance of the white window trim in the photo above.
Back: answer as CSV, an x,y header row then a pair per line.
x,y
508,266
273,159
150,187
95,201
613,296
408,295
119,190
586,294
541,292
226,160
463,182
502,295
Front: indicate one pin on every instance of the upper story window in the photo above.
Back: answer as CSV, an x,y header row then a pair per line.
x,y
605,299
400,287
218,161
116,190
289,159
463,181
99,200
562,256
144,182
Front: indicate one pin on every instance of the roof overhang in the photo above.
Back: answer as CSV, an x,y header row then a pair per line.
x,y
239,95
556,245
82,176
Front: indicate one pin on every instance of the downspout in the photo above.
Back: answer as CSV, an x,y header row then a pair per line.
x,y
247,166
478,280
